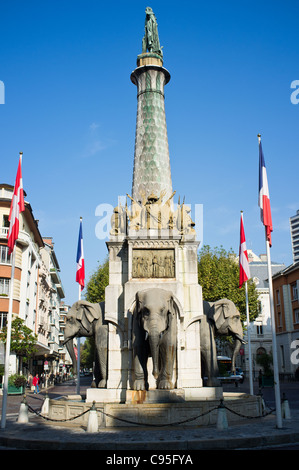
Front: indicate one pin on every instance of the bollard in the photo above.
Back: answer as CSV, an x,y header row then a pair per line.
x,y
263,405
222,419
285,409
92,425
23,413
45,406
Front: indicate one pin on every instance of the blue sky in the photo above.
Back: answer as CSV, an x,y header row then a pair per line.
x,y
71,108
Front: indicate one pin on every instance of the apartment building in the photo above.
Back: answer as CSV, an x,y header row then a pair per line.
x,y
38,290
260,329
294,226
286,307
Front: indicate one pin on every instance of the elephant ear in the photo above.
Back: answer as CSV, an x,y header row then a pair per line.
x,y
171,305
87,312
219,312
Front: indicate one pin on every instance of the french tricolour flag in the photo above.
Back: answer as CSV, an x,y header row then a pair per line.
x,y
264,198
17,206
80,274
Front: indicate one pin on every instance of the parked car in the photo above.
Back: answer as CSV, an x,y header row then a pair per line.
x,y
238,377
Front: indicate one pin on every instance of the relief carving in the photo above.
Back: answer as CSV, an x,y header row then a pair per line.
x,y
157,263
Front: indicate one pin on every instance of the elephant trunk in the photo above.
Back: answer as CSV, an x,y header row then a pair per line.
x,y
237,347
70,348
154,347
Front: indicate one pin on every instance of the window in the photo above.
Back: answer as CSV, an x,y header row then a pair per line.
x,y
3,319
294,291
259,330
5,258
4,286
277,297
296,315
5,221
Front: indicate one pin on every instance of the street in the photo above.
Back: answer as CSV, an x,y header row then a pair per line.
x,y
289,389
36,400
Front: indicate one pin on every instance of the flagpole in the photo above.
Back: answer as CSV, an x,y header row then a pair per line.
x,y
12,239
243,277
81,285
8,341
249,341
78,354
274,346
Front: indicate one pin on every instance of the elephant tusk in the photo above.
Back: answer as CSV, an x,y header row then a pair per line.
x,y
146,335
240,339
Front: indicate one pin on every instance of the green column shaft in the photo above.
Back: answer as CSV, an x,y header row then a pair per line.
x,y
152,173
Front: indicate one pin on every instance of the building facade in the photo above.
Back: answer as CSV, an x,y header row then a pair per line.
x,y
286,307
260,329
37,292
294,226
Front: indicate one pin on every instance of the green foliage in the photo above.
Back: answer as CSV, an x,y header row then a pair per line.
x,y
218,274
23,341
17,380
95,293
95,289
265,360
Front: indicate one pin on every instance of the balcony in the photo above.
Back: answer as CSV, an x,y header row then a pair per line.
x,y
3,233
55,276
60,290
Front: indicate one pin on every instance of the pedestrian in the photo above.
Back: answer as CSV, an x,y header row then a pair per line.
x,y
35,383
29,382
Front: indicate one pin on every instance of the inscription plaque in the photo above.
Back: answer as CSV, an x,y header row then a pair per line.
x,y
157,263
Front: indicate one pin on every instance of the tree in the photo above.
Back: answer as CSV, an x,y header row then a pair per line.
x,y
95,289
95,293
266,361
218,274
23,341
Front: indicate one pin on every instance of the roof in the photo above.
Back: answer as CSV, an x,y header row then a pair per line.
x,y
289,269
259,270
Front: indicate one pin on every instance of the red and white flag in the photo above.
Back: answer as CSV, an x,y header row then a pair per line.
x,y
17,206
264,197
243,256
80,274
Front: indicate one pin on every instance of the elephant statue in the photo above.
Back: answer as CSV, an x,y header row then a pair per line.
x,y
87,319
220,318
154,334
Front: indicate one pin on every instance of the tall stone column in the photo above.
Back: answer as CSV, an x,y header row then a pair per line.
x,y
151,174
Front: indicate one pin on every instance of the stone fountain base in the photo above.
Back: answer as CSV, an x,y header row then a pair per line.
x,y
142,410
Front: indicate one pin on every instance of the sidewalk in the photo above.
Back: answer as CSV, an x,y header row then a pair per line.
x,y
40,434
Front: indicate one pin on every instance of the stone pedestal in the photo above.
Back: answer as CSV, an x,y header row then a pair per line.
x,y
120,295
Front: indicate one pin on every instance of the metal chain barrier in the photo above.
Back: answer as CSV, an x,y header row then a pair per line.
x,y
244,416
221,405
38,413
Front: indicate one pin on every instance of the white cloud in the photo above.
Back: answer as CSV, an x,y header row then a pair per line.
x,y
95,143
